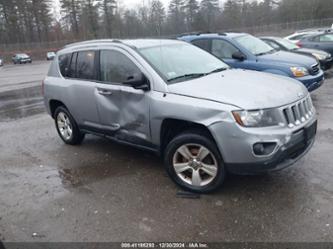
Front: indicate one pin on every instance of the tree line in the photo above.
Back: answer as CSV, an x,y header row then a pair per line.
x,y
23,21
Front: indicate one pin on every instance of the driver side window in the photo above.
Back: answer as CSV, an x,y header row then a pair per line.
x,y
116,67
223,49
326,38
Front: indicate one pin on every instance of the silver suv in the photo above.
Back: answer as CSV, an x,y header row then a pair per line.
x,y
179,101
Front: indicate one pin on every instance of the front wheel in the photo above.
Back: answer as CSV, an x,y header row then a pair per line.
x,y
193,161
67,128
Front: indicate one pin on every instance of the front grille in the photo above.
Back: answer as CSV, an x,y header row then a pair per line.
x,y
314,69
298,112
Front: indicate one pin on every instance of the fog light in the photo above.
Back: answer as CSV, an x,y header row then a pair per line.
x,y
258,149
262,149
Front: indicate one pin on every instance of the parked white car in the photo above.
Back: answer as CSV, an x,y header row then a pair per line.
x,y
297,36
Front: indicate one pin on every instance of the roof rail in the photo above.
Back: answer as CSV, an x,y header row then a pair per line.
x,y
324,29
93,41
200,33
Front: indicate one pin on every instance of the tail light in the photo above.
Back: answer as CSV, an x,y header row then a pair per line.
x,y
299,44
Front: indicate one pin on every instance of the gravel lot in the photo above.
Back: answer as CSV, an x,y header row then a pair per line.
x,y
102,191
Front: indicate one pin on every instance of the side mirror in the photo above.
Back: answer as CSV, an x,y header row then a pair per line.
x,y
238,56
138,81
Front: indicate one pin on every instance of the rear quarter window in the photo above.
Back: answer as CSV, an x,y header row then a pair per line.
x,y
203,44
64,63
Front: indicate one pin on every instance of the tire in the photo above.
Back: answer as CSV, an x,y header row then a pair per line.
x,y
69,132
194,141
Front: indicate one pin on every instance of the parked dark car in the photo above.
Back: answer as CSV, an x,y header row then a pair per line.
x,y
325,59
322,41
21,58
241,50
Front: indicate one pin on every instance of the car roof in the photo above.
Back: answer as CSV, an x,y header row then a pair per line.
x,y
196,36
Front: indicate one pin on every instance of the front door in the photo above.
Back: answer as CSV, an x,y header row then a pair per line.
x,y
224,50
123,110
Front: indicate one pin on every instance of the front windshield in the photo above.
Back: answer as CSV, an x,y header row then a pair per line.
x,y
287,44
254,45
179,62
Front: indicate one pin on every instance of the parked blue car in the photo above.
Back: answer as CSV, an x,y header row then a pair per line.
x,y
241,50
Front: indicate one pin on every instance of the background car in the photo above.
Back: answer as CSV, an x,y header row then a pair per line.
x,y
21,58
297,36
325,59
50,55
322,41
241,50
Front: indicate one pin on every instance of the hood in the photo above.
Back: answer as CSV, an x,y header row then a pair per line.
x,y
289,58
309,50
245,89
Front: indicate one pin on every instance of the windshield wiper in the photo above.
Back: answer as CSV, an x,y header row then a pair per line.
x,y
217,70
190,75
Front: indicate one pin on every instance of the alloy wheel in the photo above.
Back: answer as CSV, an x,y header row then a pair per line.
x,y
64,125
195,164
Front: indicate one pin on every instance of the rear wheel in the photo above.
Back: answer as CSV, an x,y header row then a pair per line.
x,y
67,128
193,161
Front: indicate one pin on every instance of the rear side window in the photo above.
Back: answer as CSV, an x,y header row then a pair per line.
x,y
204,44
223,49
116,67
63,63
85,65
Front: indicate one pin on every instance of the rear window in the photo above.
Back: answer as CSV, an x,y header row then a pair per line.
x,y
85,65
63,63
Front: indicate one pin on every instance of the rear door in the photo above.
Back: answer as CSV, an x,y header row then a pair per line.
x,y
123,110
80,76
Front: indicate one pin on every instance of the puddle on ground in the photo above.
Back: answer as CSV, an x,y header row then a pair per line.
x,y
21,103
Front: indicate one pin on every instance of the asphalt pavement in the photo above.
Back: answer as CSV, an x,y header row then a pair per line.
x,y
102,191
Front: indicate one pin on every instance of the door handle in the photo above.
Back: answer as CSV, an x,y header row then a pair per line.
x,y
104,92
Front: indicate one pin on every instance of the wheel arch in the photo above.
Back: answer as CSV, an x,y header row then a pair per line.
x,y
171,127
54,104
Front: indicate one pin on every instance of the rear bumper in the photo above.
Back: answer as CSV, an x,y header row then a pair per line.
x,y
312,82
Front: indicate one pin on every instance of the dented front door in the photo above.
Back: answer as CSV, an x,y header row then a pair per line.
x,y
123,110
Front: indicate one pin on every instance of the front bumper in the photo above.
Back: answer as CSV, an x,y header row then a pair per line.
x,y
236,146
312,82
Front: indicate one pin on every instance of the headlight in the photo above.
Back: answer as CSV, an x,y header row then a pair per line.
x,y
257,118
320,56
299,71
